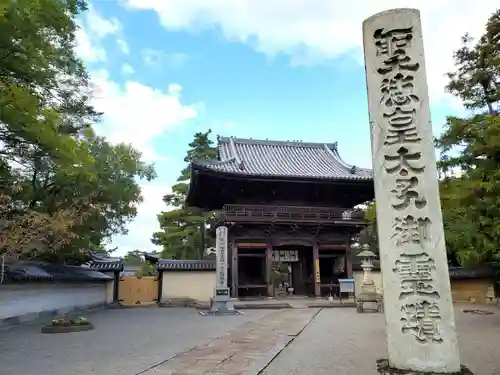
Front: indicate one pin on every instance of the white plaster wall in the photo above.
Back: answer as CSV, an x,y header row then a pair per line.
x,y
358,278
29,298
196,285
110,285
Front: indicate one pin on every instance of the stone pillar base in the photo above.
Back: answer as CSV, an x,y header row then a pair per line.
x,y
221,305
384,369
369,302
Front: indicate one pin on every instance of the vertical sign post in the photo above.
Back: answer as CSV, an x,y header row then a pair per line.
x,y
221,302
421,334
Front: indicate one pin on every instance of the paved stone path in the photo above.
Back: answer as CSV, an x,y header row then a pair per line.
x,y
342,342
246,350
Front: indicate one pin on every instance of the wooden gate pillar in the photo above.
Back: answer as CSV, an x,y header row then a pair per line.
x,y
348,263
269,270
234,269
317,275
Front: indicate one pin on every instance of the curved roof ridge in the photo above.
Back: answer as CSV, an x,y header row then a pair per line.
x,y
335,154
234,153
267,142
215,162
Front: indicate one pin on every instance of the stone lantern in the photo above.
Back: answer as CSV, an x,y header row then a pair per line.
x,y
369,299
367,257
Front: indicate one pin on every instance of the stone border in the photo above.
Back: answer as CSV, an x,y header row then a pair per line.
x,y
53,329
384,369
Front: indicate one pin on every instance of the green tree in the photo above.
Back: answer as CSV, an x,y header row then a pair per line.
x,y
62,188
111,186
133,258
42,109
183,229
369,235
471,202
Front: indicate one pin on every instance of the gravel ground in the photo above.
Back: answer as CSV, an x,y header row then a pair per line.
x,y
124,342
342,342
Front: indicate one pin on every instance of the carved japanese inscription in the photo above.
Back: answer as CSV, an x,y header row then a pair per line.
x,y
416,275
404,161
406,193
419,314
411,230
421,319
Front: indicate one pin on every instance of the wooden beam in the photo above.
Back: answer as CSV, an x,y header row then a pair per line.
x,y
251,244
333,246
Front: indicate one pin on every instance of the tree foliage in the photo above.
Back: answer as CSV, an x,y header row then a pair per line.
x,y
183,229
63,189
470,200
471,144
369,236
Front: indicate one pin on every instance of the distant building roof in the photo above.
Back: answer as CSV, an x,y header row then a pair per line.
x,y
103,262
112,265
152,257
250,157
40,271
185,265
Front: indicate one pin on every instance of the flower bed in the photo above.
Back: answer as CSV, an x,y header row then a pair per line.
x,y
63,325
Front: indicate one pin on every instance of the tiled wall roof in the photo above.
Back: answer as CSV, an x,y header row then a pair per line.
x,y
39,271
185,265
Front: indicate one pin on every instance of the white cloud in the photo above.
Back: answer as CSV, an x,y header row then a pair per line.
x,y
315,30
142,228
135,113
100,26
155,58
123,46
92,29
127,69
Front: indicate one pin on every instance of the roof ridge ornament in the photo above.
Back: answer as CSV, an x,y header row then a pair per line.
x,y
335,154
232,147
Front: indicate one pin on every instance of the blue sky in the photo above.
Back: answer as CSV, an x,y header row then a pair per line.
x,y
284,70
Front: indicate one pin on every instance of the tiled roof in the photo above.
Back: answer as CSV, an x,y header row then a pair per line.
x,y
250,157
151,257
456,273
103,265
185,265
39,271
471,273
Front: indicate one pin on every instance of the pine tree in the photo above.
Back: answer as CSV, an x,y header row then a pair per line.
x,y
471,203
182,234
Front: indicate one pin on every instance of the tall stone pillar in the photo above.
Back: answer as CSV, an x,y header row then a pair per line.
x,y
221,304
420,323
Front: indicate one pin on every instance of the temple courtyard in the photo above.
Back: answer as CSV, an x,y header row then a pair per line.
x,y
167,341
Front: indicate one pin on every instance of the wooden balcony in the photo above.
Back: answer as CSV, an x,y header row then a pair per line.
x,y
291,214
